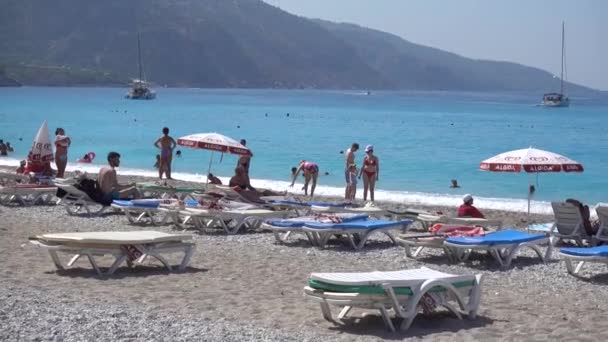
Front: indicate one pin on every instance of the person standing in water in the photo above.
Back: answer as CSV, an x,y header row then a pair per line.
x,y
350,160
370,171
311,172
166,144
62,142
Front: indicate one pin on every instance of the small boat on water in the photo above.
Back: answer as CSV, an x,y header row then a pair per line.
x,y
139,87
558,99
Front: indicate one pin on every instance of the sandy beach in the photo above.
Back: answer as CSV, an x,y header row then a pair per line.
x,y
248,287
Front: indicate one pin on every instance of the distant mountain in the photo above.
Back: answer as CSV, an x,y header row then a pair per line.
x,y
229,43
411,66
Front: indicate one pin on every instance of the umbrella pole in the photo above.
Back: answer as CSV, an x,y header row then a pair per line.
x,y
209,169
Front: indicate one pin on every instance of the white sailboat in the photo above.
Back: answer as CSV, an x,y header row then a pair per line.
x,y
558,99
139,87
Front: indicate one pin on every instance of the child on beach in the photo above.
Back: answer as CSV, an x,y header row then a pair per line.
x,y
157,164
351,182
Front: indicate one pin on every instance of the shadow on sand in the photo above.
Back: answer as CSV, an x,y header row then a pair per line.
x,y
371,325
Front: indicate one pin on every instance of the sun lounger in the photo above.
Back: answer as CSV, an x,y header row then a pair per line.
x,y
231,220
283,228
26,194
357,232
415,243
568,223
75,200
324,208
474,221
163,191
602,232
143,211
502,245
598,254
127,247
403,291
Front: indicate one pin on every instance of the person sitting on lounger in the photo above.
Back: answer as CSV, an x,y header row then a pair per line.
x,y
467,209
213,180
590,228
108,181
21,168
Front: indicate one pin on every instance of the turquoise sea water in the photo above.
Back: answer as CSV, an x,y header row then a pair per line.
x,y
423,139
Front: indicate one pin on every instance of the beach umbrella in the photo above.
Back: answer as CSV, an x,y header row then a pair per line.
x,y
214,142
531,160
42,149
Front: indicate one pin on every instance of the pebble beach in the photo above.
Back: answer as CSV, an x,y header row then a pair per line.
x,y
247,287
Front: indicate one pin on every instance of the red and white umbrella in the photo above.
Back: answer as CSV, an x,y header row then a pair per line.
x,y
213,142
42,149
531,160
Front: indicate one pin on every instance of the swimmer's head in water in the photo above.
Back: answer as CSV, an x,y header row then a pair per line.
x,y
165,130
178,153
243,142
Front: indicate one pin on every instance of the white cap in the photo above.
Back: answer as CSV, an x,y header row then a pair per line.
x,y
467,198
369,148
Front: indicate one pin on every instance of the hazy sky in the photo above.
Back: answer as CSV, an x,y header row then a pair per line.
x,y
522,31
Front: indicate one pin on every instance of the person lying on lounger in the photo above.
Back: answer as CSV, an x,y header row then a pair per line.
x,y
108,181
467,209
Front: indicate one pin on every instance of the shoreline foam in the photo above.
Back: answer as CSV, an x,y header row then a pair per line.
x,y
412,198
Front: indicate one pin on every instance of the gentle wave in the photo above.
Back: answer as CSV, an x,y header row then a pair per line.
x,y
411,198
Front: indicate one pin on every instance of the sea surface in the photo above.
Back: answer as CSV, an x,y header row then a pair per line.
x,y
423,139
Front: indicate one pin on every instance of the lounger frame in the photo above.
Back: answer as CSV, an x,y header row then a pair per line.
x,y
120,256
403,306
503,253
570,259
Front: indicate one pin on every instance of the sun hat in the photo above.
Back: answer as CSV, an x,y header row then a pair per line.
x,y
467,198
369,148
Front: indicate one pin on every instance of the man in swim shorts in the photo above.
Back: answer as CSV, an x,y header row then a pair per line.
x,y
108,181
350,160
166,144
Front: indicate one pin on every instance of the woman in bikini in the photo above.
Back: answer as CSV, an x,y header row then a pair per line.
x,y
311,171
370,171
62,142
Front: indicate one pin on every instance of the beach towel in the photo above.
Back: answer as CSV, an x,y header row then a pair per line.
x,y
454,230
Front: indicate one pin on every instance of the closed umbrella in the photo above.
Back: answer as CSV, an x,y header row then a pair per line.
x,y
531,160
42,150
214,142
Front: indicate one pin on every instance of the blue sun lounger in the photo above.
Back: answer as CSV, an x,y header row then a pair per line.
x,y
502,245
283,228
598,254
357,232
137,210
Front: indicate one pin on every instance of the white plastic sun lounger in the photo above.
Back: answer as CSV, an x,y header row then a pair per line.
x,y
357,232
568,223
232,220
76,200
598,254
284,228
142,211
402,291
26,194
502,245
371,211
129,247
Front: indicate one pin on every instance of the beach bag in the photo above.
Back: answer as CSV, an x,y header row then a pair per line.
x,y
92,189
